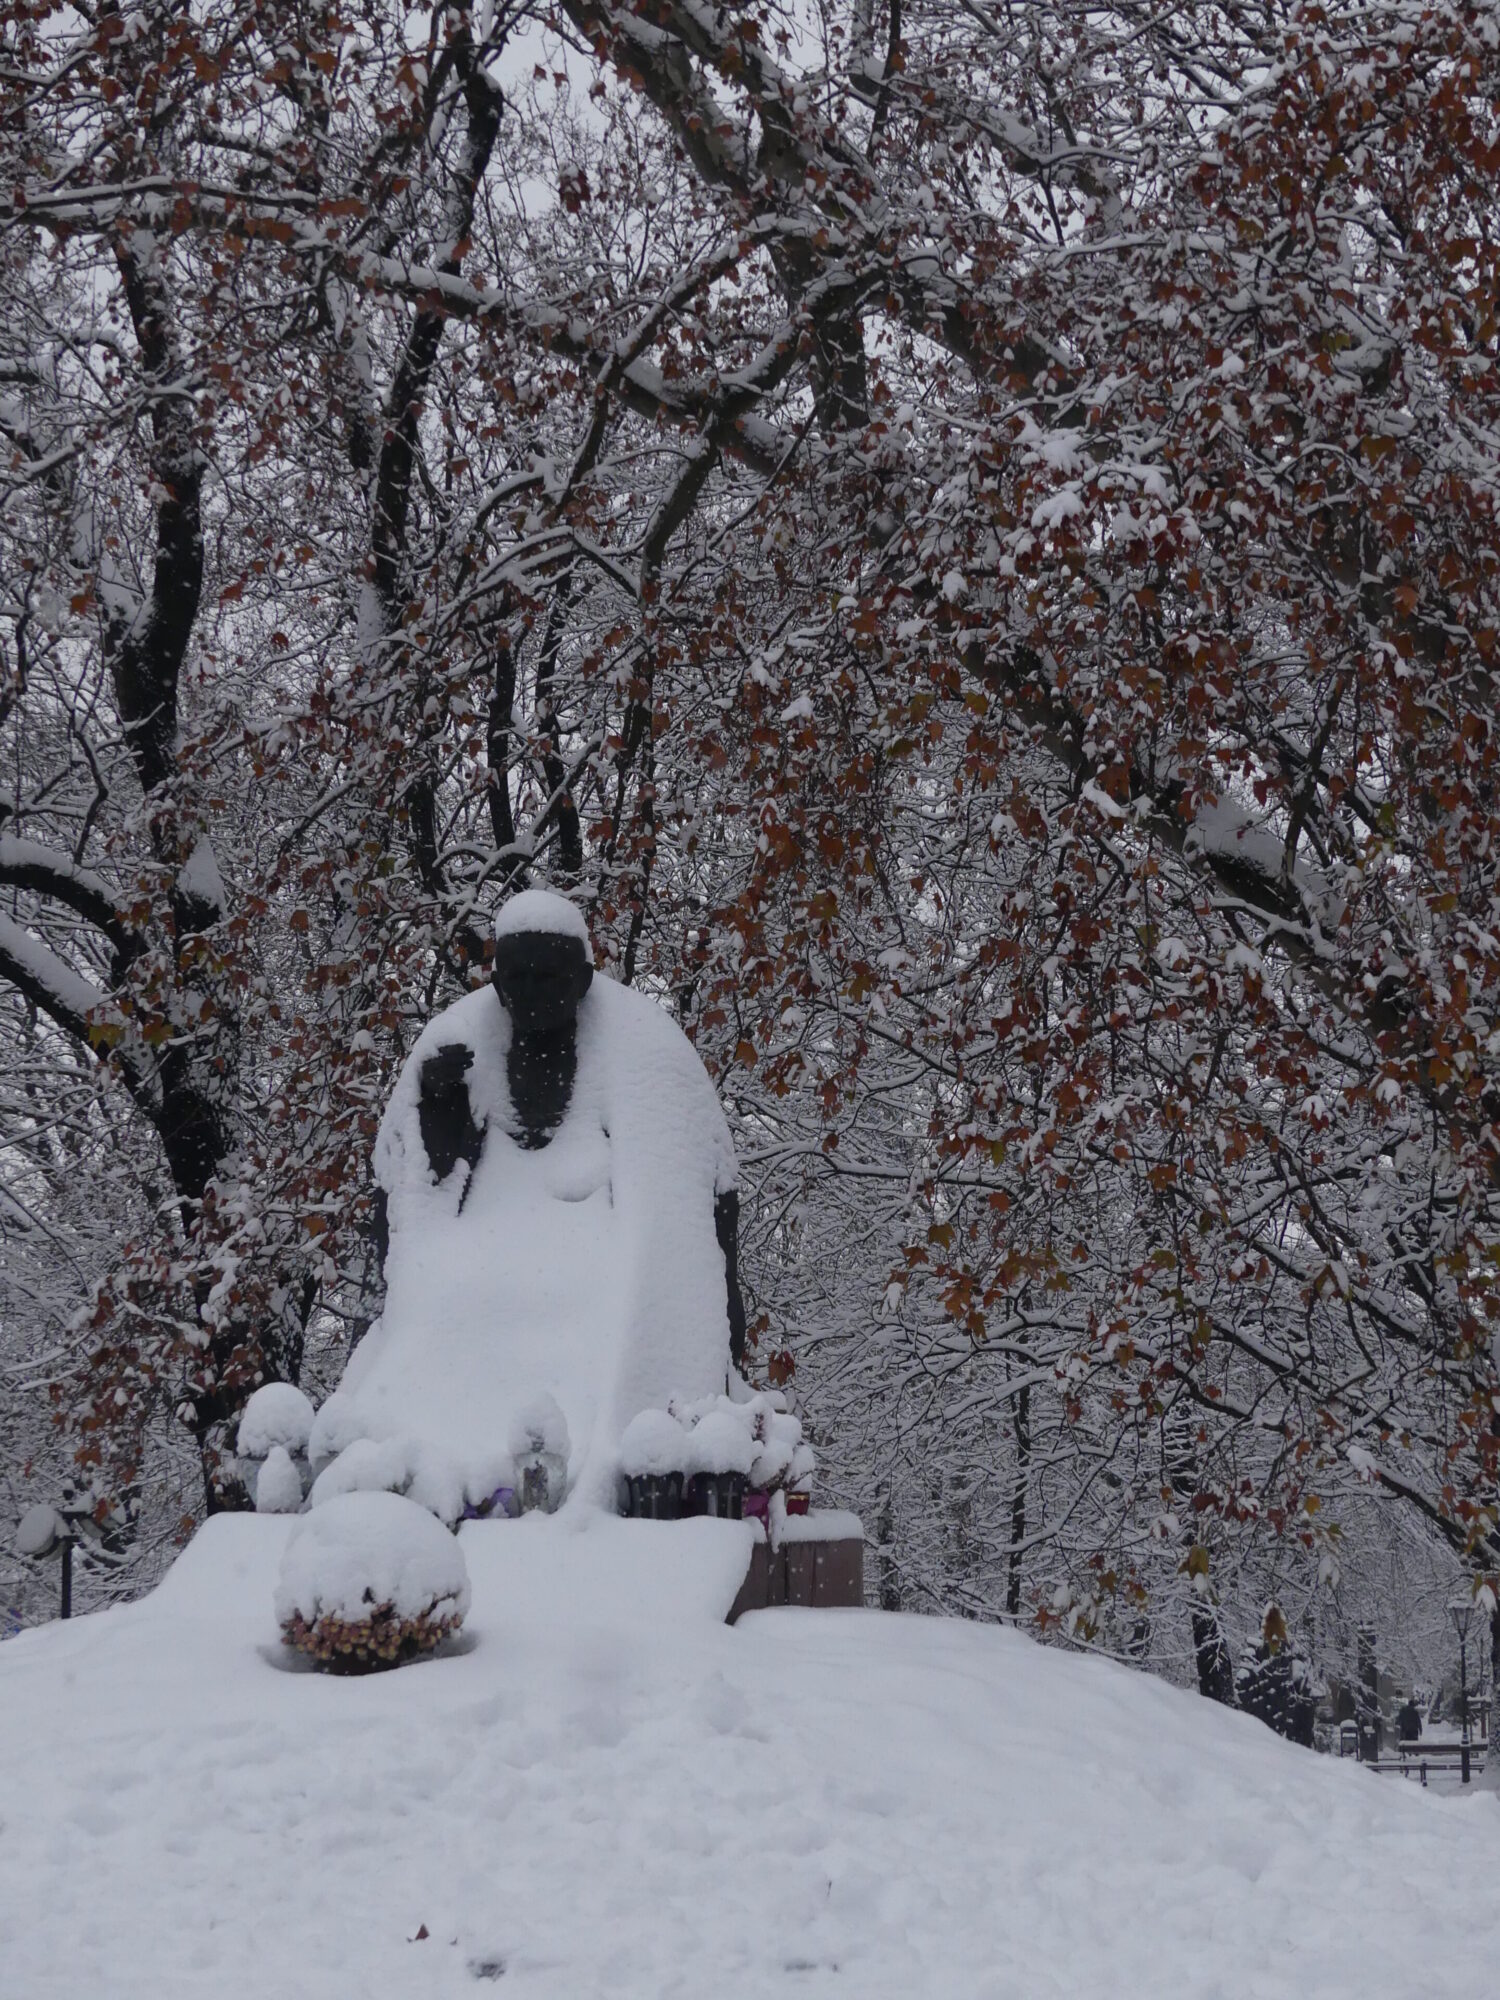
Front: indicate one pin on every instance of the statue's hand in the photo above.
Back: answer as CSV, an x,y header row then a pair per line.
x,y
449,1133
446,1067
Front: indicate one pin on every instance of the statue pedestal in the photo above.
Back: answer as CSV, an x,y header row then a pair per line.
x,y
819,1564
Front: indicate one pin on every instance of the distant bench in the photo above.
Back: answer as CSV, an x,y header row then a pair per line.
x,y
1413,1760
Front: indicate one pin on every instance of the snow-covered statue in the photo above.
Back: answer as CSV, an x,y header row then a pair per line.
x,y
561,1223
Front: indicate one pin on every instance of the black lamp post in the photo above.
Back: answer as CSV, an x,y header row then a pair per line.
x,y
1461,1613
46,1531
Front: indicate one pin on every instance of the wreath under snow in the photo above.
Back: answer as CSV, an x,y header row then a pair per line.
x,y
369,1581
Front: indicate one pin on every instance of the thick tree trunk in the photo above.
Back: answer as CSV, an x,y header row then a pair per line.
x,y
885,1539
1211,1656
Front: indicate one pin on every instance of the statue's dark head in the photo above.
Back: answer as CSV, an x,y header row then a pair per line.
x,y
542,965
541,978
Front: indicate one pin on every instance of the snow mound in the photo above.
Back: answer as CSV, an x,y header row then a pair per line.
x,y
752,1433
335,1429
782,1456
360,1551
539,1426
829,1524
39,1531
444,1483
654,1443
719,1443
615,1793
541,910
278,1484
277,1414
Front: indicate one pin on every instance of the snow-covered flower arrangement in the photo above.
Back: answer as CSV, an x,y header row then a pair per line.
x,y
654,1445
716,1449
720,1442
447,1487
368,1581
530,1470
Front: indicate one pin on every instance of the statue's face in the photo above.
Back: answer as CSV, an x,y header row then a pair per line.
x,y
541,977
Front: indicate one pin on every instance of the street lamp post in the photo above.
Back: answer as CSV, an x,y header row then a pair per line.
x,y
46,1531
1461,1613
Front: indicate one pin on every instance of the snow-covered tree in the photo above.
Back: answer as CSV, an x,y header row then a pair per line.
x,y
967,539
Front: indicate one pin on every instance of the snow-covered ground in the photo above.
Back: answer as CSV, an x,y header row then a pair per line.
x,y
611,1792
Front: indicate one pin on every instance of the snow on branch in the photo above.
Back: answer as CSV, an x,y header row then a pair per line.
x,y
46,980
29,864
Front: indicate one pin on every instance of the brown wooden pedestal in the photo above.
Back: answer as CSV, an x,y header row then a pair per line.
x,y
822,1571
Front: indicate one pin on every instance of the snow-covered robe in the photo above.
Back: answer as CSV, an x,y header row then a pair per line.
x,y
588,1270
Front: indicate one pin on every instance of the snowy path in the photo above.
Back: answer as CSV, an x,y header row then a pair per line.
x,y
611,1793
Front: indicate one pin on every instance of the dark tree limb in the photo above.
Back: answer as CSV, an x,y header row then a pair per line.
x,y
146,653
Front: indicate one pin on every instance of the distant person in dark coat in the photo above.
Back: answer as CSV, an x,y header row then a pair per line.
x,y
1409,1721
